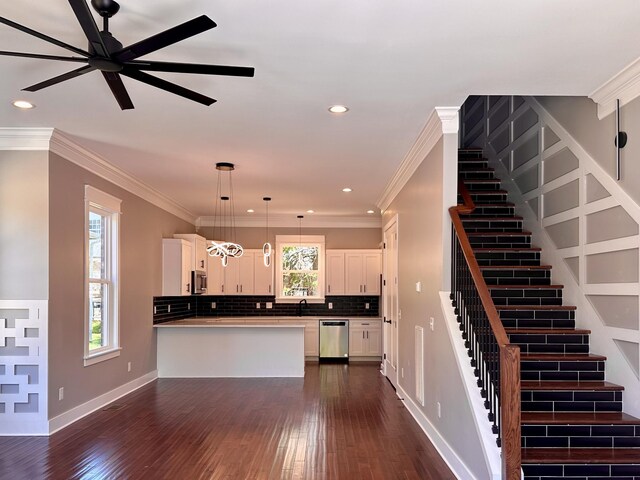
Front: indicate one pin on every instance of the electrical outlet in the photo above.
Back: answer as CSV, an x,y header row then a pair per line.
x,y
402,372
258,305
330,306
366,306
168,308
418,287
213,305
60,393
269,305
155,310
432,322
439,410
128,366
399,314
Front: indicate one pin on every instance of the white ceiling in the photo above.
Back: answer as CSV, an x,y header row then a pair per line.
x,y
390,61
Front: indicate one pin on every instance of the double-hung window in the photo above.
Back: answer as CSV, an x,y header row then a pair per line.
x,y
300,268
102,242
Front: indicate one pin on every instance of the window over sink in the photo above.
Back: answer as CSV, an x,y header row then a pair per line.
x,y
300,268
102,242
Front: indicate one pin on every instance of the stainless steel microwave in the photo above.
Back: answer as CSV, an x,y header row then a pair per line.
x,y
198,282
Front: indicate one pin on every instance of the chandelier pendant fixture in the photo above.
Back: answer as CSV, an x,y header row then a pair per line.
x,y
226,245
266,248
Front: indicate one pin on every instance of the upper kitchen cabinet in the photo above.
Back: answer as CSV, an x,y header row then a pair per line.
x,y
245,275
176,266
353,272
335,272
199,250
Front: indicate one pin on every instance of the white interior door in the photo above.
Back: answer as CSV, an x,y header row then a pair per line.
x,y
390,299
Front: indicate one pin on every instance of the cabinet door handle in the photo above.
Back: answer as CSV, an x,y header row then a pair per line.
x,y
329,288
237,289
240,288
269,288
202,263
367,334
365,288
363,335
188,287
222,288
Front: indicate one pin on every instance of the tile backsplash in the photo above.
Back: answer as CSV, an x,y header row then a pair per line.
x,y
175,308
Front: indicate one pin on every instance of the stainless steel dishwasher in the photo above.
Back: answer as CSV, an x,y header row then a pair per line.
x,y
334,339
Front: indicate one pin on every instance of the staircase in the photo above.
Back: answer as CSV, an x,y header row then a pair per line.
x,y
572,420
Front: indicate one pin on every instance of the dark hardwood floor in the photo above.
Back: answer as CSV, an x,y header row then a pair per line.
x,y
340,422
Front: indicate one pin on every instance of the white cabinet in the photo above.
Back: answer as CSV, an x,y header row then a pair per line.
x,y
353,272
335,272
262,276
245,275
198,250
176,266
365,338
312,338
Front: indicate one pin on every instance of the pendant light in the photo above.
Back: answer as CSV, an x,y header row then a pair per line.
x,y
266,248
226,245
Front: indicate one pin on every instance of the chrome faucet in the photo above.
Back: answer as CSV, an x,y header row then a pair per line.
x,y
304,300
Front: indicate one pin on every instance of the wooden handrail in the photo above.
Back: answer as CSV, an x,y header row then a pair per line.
x,y
510,424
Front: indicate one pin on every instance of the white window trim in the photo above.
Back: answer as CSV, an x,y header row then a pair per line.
x,y
108,204
282,240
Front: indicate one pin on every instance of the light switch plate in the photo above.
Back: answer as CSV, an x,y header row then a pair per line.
x,y
269,305
258,305
432,323
418,287
366,306
330,306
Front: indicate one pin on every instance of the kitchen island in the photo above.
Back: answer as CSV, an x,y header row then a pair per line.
x,y
230,347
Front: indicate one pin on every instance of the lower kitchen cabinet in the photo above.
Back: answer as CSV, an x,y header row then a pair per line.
x,y
365,338
312,338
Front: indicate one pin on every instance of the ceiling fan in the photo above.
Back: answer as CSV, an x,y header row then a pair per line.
x,y
107,54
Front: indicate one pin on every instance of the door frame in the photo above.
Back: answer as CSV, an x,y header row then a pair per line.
x,y
388,369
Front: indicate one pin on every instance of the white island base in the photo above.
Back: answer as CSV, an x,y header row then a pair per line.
x,y
214,350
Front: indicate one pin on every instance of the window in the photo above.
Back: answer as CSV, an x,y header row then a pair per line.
x,y
102,233
300,268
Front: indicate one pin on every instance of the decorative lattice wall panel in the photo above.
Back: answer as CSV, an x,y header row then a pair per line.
x,y
23,367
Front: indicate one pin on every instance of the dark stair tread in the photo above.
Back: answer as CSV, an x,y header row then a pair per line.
x,y
498,204
562,308
493,219
548,331
481,180
525,287
515,267
562,385
507,249
488,192
563,357
609,456
496,233
570,418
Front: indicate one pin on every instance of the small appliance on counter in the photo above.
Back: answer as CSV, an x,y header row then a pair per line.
x,y
198,282
334,339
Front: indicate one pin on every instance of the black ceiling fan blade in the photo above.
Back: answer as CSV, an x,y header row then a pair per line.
x,y
201,69
43,57
164,39
89,26
119,91
167,86
44,37
60,78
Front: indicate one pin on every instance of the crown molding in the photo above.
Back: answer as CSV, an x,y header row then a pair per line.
x,y
25,138
290,221
443,120
624,85
67,148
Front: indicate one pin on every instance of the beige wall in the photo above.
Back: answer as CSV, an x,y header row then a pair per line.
x,y
24,225
419,207
334,237
142,228
578,115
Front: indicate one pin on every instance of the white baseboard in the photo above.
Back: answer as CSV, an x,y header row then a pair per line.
x,y
451,458
67,418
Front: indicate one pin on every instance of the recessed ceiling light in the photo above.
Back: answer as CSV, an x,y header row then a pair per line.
x,y
251,210
338,109
23,104
346,190
370,212
309,211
